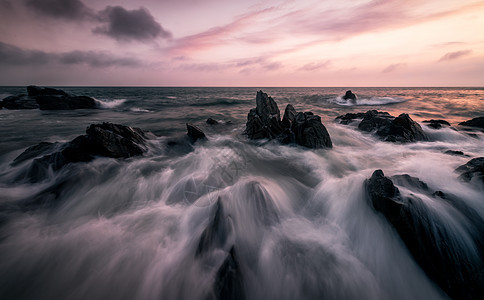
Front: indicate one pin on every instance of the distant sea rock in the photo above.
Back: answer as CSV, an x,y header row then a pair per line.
x,y
349,95
303,128
47,99
436,124
428,237
401,129
476,122
106,139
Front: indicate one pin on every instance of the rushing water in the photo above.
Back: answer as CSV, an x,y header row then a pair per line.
x,y
298,218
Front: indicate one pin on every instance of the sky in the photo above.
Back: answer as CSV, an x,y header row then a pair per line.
x,y
242,43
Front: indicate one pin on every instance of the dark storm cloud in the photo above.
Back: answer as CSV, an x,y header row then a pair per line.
x,y
13,55
62,9
122,24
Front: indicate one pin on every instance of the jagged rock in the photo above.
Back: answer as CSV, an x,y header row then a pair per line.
x,y
403,130
473,168
427,237
373,120
436,124
216,233
305,129
455,152
264,121
106,139
350,96
211,121
349,117
34,90
19,102
194,133
310,132
476,122
229,283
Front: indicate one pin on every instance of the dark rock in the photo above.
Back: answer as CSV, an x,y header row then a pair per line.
x,y
264,121
211,121
194,133
106,139
350,96
436,124
305,129
473,168
428,238
310,132
410,182
34,90
229,284
476,122
402,130
216,233
62,102
346,119
19,102
373,120
455,152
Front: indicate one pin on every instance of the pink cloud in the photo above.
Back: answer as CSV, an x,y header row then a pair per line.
x,y
455,55
393,67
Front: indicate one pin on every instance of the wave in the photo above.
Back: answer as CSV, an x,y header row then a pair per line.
x,y
110,104
224,102
367,101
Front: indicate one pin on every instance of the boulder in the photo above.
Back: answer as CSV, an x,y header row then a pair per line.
x,y
106,139
19,102
349,117
211,121
402,130
33,90
436,124
305,129
350,96
194,133
374,120
62,102
429,237
473,168
476,122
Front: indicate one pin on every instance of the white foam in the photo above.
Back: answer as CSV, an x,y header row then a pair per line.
x,y
367,101
109,104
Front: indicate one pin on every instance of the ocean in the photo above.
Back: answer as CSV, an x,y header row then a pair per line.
x,y
299,219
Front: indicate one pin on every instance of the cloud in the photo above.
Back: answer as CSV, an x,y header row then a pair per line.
x,y
13,55
393,67
313,66
62,9
127,25
455,55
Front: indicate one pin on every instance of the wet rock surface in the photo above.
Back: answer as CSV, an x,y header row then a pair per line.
x,y
302,128
194,133
432,245
436,124
476,122
473,168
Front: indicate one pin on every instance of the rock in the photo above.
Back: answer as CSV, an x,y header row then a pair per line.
x,y
455,152
402,130
106,139
373,120
19,102
216,233
429,237
229,284
194,133
305,129
310,132
476,122
60,102
33,90
349,117
211,121
350,96
473,168
410,182
436,124
264,121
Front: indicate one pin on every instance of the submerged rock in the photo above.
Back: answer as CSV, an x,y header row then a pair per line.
x,y
428,236
401,129
217,231
476,122
194,133
473,168
350,96
455,152
305,129
48,99
229,283
436,124
211,121
106,139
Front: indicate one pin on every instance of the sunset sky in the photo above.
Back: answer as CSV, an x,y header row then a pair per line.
x,y
242,43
